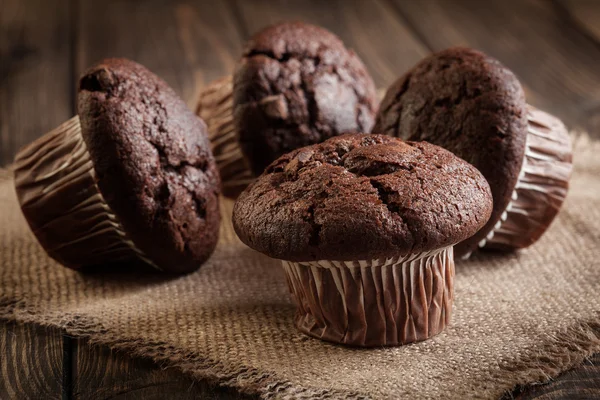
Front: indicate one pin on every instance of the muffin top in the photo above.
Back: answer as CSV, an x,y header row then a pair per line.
x,y
357,197
298,85
470,104
152,161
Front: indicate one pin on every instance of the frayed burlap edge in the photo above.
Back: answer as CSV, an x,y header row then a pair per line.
x,y
246,380
563,350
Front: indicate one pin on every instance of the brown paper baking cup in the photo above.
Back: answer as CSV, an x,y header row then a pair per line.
x,y
385,302
215,107
56,187
542,186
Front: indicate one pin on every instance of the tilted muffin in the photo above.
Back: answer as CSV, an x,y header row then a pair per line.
x,y
365,226
295,85
472,105
130,179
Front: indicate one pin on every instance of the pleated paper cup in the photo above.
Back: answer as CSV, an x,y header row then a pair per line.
x,y
542,185
56,187
369,303
215,107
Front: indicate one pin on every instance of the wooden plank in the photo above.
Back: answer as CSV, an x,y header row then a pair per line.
x,y
105,374
201,48
582,382
35,96
35,71
98,372
555,60
186,43
30,362
585,13
367,27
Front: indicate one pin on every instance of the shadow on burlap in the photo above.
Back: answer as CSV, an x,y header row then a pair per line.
x,y
518,318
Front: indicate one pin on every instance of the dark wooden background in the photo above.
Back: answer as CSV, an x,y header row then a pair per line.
x,y
553,46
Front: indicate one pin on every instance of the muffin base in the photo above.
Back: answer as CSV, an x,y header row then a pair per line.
x,y
56,186
542,186
215,107
372,303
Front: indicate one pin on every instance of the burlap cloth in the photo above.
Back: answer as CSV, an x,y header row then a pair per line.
x,y
519,318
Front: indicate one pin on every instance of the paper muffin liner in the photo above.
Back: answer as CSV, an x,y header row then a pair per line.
x,y
542,185
57,190
371,303
215,107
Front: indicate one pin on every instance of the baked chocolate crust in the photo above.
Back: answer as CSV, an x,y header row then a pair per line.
x,y
152,161
470,104
298,85
56,187
362,197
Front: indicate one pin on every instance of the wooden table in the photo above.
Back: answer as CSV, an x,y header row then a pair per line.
x,y
553,46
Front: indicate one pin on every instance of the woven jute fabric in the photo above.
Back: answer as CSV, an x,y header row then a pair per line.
x,y
518,318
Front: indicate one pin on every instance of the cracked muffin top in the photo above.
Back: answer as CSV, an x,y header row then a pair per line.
x,y
357,197
152,161
468,103
298,85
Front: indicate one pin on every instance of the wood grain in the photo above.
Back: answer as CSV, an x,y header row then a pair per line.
x,y
364,26
580,383
556,62
35,71
553,46
584,13
100,373
555,59
188,44
30,362
585,16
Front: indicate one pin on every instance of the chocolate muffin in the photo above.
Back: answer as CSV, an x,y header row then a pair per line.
x,y
365,226
295,85
474,106
131,178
